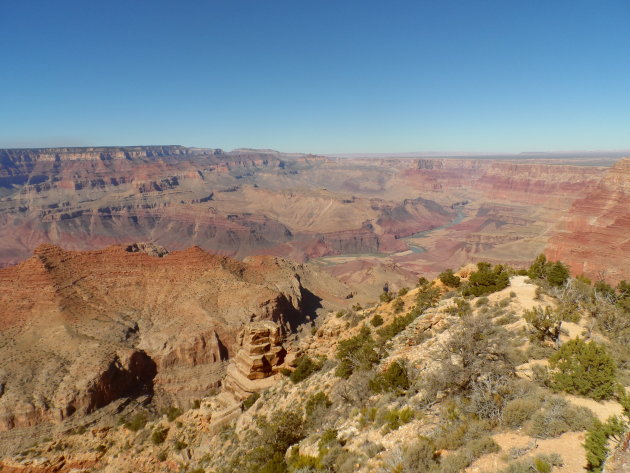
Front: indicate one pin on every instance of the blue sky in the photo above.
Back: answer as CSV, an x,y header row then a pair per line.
x,y
317,76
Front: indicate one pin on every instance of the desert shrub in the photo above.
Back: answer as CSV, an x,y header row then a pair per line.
x,y
137,422
162,456
461,308
267,447
403,291
538,464
172,413
558,274
477,350
422,282
596,443
420,456
179,445
486,280
196,404
358,352
481,446
304,368
398,305
454,463
539,350
394,378
449,279
518,411
394,418
583,368
558,417
547,322
555,274
354,390
377,321
251,399
482,301
427,297
386,297
317,401
328,438
158,435
396,326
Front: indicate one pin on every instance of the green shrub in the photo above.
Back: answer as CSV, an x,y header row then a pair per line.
x,y
158,435
486,280
386,297
377,321
358,352
251,399
403,291
556,274
396,326
328,438
482,301
481,446
583,368
449,279
398,305
558,417
596,443
394,378
422,282
304,368
395,418
172,413
461,308
518,411
547,321
454,463
316,401
179,445
137,422
538,464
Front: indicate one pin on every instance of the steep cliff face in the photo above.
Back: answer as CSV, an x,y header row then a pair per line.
x,y
81,329
551,185
594,236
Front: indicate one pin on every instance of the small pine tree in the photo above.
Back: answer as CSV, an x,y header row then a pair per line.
x,y
449,279
584,368
557,274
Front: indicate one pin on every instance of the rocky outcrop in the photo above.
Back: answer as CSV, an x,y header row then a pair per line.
x,y
259,357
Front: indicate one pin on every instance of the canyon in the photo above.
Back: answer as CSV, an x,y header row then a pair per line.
x,y
136,279
367,221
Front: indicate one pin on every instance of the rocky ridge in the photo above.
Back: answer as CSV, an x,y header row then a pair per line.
x,y
193,442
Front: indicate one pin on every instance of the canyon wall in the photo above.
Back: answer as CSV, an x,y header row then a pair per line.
x,y
79,330
594,236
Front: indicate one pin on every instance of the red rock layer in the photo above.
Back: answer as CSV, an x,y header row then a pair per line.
x,y
80,329
594,237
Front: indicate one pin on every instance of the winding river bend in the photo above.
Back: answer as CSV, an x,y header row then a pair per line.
x,y
459,217
415,248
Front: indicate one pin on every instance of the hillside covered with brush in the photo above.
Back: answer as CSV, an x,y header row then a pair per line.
x,y
487,369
